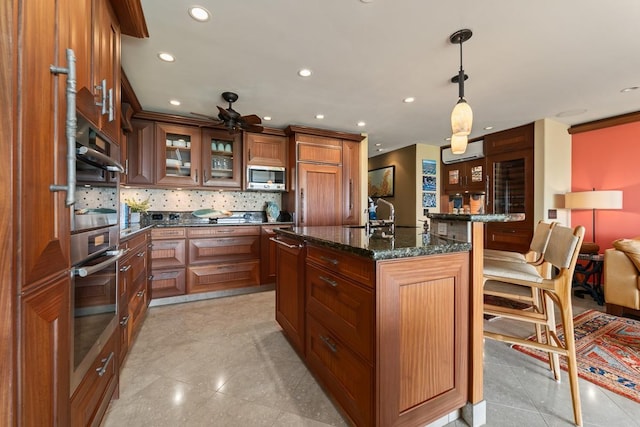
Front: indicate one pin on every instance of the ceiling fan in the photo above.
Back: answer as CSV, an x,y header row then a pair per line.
x,y
231,119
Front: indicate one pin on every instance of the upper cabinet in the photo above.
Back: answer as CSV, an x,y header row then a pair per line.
x,y
97,46
265,150
177,155
221,153
139,161
464,177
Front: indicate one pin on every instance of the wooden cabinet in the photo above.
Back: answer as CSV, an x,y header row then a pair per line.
x,y
133,276
464,177
178,152
319,194
223,258
510,160
325,177
265,150
221,159
139,163
168,262
91,399
290,306
267,255
351,211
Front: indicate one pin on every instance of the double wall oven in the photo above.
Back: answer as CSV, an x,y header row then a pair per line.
x,y
94,253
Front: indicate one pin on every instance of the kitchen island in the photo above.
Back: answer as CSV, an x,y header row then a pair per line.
x,y
390,325
380,320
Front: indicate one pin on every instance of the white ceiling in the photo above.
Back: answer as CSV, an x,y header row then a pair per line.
x,y
527,60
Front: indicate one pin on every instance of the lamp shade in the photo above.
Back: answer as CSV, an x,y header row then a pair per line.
x,y
605,199
461,118
458,144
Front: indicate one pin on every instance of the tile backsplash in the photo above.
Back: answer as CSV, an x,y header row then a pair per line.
x,y
190,200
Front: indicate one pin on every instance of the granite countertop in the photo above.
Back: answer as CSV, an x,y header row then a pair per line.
x,y
170,224
478,217
132,230
376,244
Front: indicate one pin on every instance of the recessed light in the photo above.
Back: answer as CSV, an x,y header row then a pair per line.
x,y
366,1
408,100
305,72
569,113
166,57
319,116
629,89
267,118
361,124
174,102
199,13
448,138
488,127
378,144
380,149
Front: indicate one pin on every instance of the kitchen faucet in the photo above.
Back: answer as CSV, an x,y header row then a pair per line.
x,y
392,211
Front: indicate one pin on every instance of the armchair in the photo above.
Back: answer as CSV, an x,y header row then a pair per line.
x,y
622,277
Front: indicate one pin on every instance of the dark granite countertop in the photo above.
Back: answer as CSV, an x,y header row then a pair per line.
x,y
406,242
132,230
478,217
170,224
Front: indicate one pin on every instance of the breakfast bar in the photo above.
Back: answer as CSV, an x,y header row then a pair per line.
x,y
388,322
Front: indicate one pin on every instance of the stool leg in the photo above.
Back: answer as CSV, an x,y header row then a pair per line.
x,y
572,363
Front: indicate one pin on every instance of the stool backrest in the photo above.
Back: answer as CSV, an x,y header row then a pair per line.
x,y
564,245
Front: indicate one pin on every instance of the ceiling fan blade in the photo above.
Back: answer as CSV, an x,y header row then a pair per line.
x,y
251,128
206,117
251,119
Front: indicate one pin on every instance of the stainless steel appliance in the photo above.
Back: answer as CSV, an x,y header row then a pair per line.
x,y
96,190
266,178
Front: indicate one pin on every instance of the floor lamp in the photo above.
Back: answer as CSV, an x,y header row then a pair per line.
x,y
601,199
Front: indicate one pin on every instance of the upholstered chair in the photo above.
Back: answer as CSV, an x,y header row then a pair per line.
x,y
622,277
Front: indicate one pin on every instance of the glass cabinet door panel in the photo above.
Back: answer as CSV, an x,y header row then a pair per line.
x,y
221,153
177,154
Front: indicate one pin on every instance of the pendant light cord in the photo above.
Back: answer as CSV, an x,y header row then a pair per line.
x,y
461,76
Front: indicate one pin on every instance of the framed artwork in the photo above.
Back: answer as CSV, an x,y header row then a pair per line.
x,y
381,181
428,183
429,200
428,167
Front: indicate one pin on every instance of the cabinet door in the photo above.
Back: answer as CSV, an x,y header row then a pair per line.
x,y
267,256
319,194
44,353
44,220
106,60
223,276
474,176
177,155
511,191
168,283
452,178
265,150
351,183
290,256
80,39
221,153
139,163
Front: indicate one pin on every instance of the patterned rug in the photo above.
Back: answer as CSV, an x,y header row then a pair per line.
x,y
503,302
608,352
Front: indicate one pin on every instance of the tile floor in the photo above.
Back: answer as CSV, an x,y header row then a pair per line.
x,y
224,362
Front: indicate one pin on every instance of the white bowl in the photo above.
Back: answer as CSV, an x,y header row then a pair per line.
x,y
187,164
169,143
181,143
174,162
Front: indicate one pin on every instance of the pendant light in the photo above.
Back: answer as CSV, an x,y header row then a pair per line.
x,y
458,144
461,116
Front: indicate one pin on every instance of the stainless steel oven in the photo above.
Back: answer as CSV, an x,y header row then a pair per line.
x,y
93,296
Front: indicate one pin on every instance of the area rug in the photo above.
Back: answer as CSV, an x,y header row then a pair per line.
x,y
608,352
503,302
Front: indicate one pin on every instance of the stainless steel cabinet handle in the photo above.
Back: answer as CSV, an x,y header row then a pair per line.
x,y
350,194
331,260
70,127
105,362
141,254
88,271
196,176
112,115
140,294
280,242
102,87
125,268
329,281
302,206
124,321
328,343
150,277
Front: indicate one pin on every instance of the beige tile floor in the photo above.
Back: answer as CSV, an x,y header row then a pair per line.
x,y
224,362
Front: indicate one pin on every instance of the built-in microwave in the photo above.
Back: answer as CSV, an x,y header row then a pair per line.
x,y
266,178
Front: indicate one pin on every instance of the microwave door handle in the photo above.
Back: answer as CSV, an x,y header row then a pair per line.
x,y
88,271
112,165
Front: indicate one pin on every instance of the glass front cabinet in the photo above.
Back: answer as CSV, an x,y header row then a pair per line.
x,y
188,156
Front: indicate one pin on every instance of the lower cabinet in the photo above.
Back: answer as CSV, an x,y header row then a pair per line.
x,y
267,255
222,276
387,339
92,397
168,262
290,307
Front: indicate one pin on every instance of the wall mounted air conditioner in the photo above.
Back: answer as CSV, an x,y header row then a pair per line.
x,y
475,150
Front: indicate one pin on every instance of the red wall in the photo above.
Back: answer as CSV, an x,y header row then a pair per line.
x,y
608,159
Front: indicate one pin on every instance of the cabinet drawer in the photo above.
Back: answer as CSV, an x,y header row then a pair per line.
x,y
137,309
217,277
138,270
134,242
502,237
354,267
168,253
238,230
223,249
348,379
91,398
344,307
167,283
167,233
